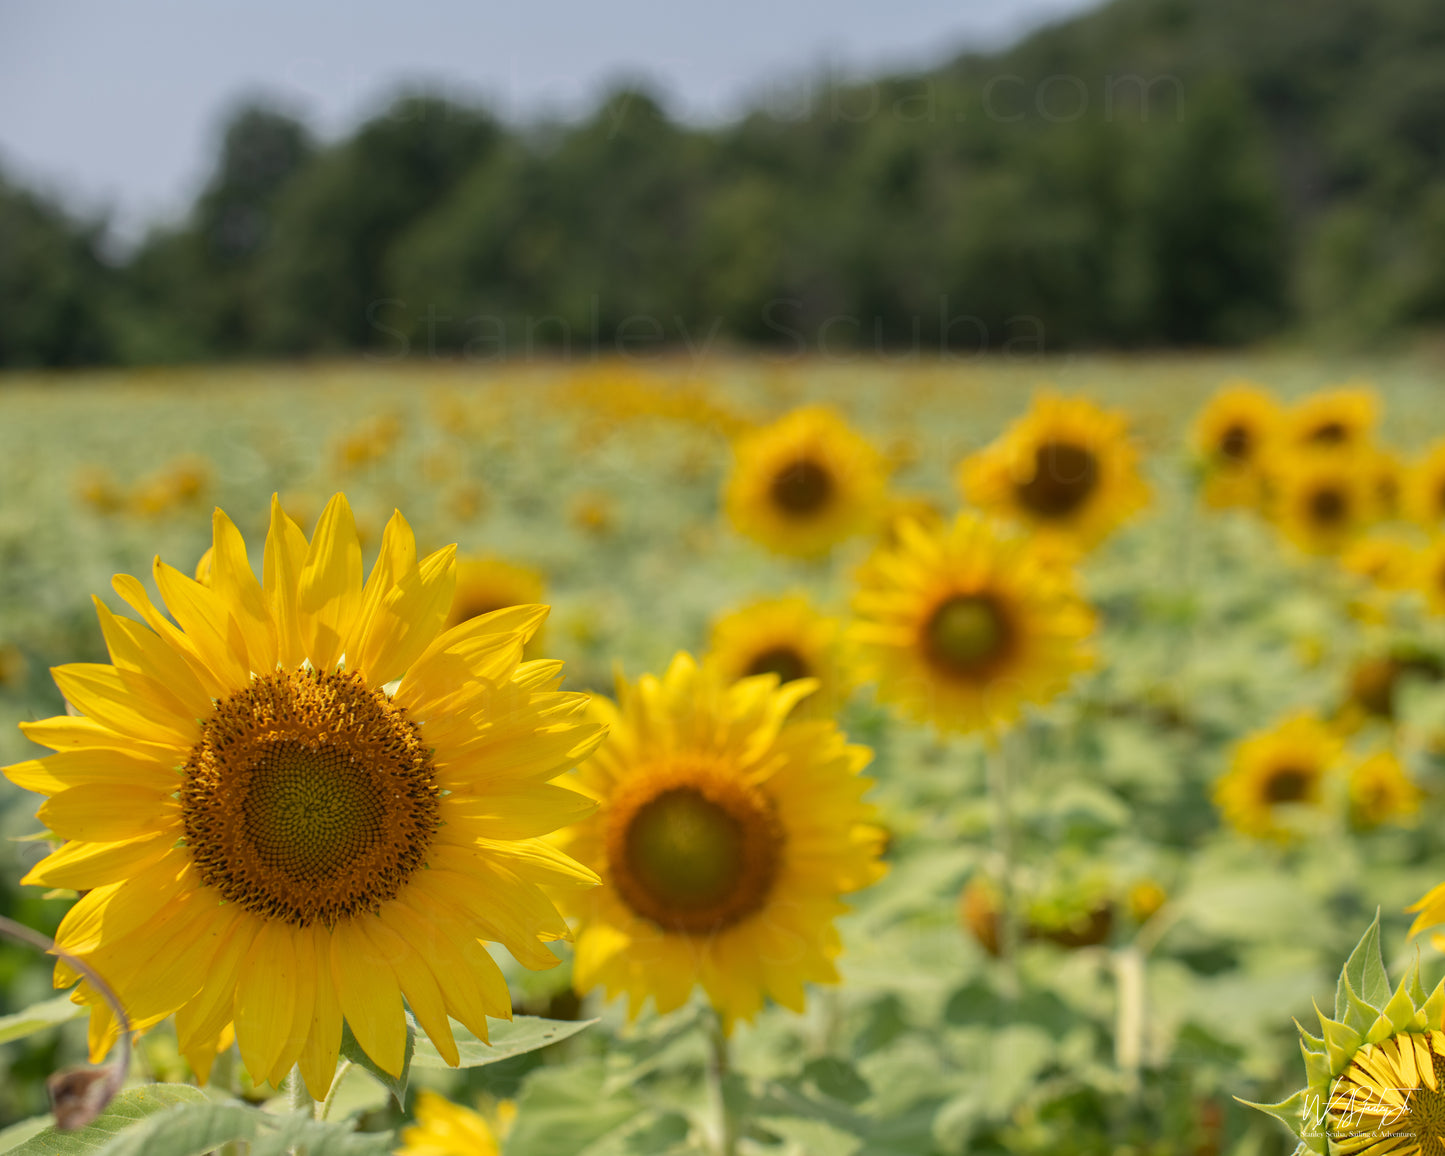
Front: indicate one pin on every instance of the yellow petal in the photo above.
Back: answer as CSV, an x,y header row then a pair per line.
x,y
281,572
517,812
410,617
323,1042
56,773
396,557
120,700
84,866
71,733
136,648
370,998
135,595
266,998
417,984
110,812
470,980
235,583
328,592
207,622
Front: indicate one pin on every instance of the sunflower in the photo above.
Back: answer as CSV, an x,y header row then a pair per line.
x,y
803,484
1322,501
1277,776
1381,791
1066,469
1425,487
1430,574
446,1129
964,626
302,802
725,835
1389,561
1234,427
788,637
1340,419
1374,683
488,584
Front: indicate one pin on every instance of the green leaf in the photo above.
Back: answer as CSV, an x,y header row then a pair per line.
x,y
564,1109
515,1038
195,1129
1364,973
36,1019
127,1110
354,1052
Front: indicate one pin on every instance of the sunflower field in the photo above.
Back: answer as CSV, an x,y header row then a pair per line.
x,y
746,757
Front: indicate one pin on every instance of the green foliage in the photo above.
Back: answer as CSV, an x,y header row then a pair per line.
x,y
36,1019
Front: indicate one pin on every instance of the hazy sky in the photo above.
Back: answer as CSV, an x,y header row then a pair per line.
x,y
114,103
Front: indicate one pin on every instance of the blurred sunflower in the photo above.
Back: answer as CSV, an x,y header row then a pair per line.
x,y
1388,561
1375,681
1388,480
1321,501
305,802
964,626
1425,487
788,637
1067,469
1231,437
725,836
1430,574
1339,419
805,483
1277,776
446,1129
1380,791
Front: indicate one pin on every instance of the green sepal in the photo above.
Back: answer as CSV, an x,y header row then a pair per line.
x,y
1417,989
1317,1069
1364,973
1398,1015
1341,1043
1293,1113
1434,1007
1309,1042
1359,1016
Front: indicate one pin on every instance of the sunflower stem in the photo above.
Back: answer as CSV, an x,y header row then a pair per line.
x,y
1003,853
718,1070
341,1070
1129,1015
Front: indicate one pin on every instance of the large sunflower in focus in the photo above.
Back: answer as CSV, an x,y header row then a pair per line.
x,y
725,837
964,626
1278,777
803,484
1321,502
1067,469
787,637
301,801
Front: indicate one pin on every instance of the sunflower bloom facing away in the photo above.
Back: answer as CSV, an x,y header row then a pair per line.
x,y
725,836
788,637
1066,469
1381,792
1277,779
805,483
301,801
965,626
1376,1071
446,1129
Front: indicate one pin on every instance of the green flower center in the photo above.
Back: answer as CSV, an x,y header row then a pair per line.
x,y
968,633
695,858
309,797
